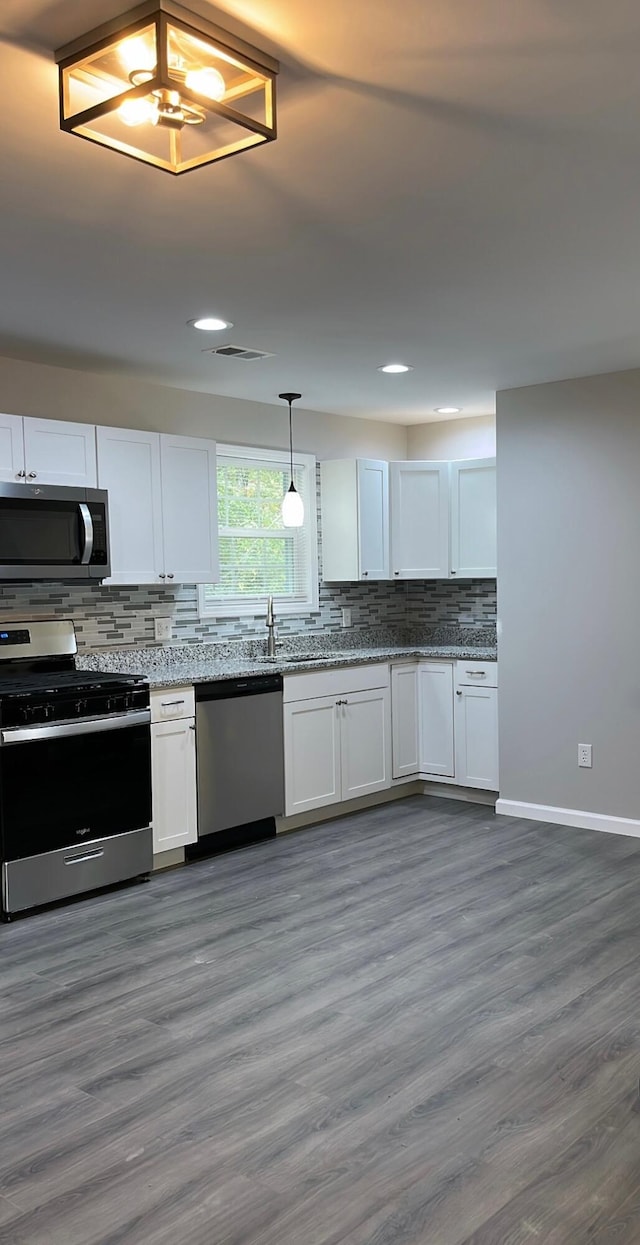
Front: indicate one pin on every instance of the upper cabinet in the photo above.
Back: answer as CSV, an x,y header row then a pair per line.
x,y
48,451
419,520
162,506
355,519
473,518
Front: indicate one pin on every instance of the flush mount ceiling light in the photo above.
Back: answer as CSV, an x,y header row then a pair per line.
x,y
393,369
292,504
168,88
210,324
447,410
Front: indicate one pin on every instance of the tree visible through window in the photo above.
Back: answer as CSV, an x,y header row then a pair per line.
x,y
258,556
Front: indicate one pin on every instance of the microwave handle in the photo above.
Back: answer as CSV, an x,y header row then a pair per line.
x,y
87,525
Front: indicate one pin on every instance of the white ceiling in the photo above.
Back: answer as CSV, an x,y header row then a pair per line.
x,y
456,184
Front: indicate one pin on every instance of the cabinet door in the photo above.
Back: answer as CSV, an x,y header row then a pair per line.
x,y
373,518
129,468
311,754
477,737
365,742
435,699
173,777
404,720
57,452
419,520
473,518
189,509
11,449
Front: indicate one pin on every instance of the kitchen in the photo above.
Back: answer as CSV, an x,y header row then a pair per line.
x,y
398,1002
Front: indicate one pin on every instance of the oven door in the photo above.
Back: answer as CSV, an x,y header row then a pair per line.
x,y
69,784
53,533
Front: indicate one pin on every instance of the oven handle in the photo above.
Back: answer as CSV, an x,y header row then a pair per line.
x,y
62,730
80,860
87,524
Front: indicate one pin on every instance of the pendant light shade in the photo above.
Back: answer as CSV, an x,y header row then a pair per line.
x,y
292,505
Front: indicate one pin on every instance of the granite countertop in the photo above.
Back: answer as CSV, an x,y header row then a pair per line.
x,y
182,673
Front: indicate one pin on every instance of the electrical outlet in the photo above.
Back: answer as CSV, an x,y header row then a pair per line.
x,y
162,630
346,616
585,756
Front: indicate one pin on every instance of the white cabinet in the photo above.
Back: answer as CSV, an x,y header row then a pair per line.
x,y
355,519
162,506
49,451
129,468
173,770
476,723
337,745
189,509
435,731
312,754
473,518
365,742
404,719
419,493
11,449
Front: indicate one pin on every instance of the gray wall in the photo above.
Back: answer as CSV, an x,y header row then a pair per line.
x,y
569,592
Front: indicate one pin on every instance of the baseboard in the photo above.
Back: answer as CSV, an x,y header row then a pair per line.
x,y
569,817
471,795
330,811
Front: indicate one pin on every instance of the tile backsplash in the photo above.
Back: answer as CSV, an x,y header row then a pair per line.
x,y
120,616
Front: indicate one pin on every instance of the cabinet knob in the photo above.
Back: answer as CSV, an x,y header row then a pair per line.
x,y
453,572
364,574
170,575
458,693
21,475
162,575
33,475
396,572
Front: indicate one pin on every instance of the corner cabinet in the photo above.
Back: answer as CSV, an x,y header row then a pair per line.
x,y
337,736
47,451
473,518
173,769
419,500
445,722
163,512
355,519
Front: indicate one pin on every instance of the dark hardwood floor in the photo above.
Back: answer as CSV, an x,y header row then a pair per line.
x,y
418,1025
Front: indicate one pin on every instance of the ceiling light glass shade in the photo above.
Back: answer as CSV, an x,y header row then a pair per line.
x,y
210,324
292,508
393,368
167,88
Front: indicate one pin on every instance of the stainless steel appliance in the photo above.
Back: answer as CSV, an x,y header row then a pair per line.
x,y
75,770
49,532
240,753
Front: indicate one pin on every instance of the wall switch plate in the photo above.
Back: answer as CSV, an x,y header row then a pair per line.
x,y
585,756
162,630
346,616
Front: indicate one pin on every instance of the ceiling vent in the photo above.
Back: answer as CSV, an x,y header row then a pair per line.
x,y
240,352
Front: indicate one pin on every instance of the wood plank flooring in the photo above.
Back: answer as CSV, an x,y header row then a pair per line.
x,y
418,1025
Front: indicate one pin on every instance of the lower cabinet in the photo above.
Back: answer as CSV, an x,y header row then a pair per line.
x,y
445,722
173,769
337,746
476,718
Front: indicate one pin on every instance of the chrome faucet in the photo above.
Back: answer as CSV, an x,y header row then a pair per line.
x,y
271,628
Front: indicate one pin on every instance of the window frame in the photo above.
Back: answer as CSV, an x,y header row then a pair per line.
x,y
208,610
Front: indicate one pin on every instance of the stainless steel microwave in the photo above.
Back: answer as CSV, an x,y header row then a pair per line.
x,y
50,532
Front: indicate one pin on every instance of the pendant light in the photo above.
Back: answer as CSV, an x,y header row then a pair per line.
x,y
292,505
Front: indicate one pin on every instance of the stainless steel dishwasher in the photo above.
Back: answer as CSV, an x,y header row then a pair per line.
x,y
240,754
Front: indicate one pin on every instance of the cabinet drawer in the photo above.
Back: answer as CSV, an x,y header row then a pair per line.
x,y
174,702
335,682
477,673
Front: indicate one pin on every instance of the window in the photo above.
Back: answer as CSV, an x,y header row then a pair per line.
x,y
258,556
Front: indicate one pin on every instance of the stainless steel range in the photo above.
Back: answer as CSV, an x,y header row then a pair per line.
x,y
75,770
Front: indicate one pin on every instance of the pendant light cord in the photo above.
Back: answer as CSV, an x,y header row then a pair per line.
x,y
290,441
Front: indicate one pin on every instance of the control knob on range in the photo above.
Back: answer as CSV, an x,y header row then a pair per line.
x,y
81,707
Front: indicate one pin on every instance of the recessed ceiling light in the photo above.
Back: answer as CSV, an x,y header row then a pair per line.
x,y
210,324
392,368
447,410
